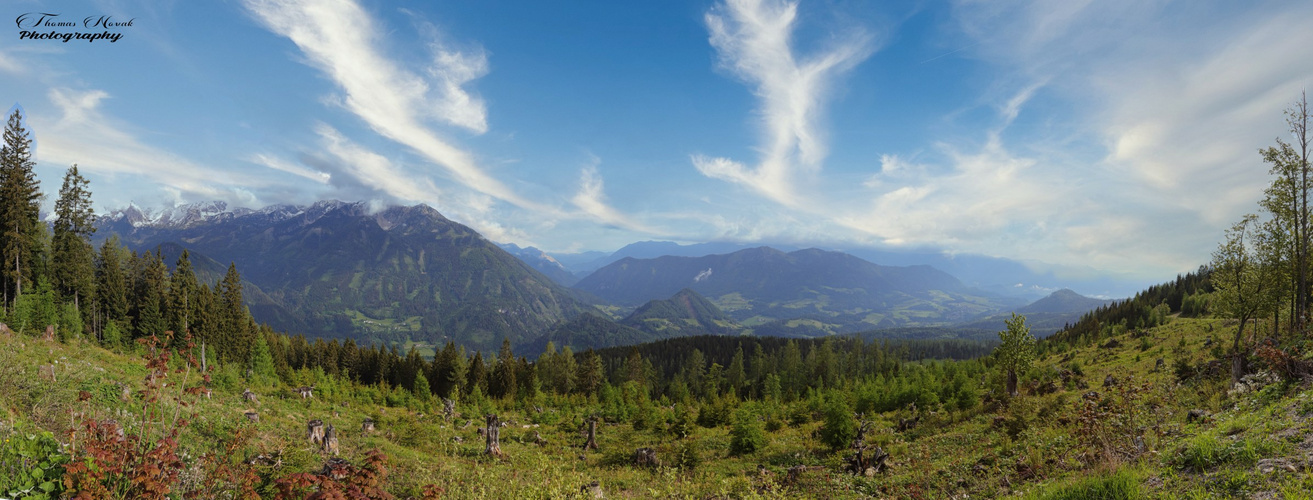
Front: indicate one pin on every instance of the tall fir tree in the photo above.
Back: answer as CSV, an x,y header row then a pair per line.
x,y
182,295
233,341
20,199
148,295
111,285
73,266
503,372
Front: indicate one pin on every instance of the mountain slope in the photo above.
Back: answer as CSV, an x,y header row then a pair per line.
x,y
684,314
759,285
405,273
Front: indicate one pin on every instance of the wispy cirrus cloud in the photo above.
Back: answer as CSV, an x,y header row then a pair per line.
x,y
342,40
591,201
1166,106
102,144
754,41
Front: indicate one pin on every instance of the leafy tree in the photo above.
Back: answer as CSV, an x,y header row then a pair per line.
x,y
20,198
1242,277
1016,350
1287,201
73,269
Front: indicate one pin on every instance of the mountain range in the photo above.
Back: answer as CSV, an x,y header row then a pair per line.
x,y
340,270
405,275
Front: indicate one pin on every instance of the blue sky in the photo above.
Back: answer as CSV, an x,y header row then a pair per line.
x,y
1114,136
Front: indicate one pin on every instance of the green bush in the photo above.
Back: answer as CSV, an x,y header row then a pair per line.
x,y
1207,451
1119,485
31,466
747,435
688,456
840,427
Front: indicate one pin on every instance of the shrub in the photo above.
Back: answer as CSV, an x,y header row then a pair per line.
x,y
688,456
840,427
1116,486
747,435
1207,451
31,466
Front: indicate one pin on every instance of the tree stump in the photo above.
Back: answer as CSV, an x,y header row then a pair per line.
x,y
593,489
448,409
367,426
249,396
591,434
314,431
646,457
330,440
492,435
4,330
50,333
253,416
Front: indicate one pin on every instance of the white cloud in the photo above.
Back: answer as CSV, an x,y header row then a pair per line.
x,y
291,168
102,144
754,41
8,64
340,39
375,171
591,200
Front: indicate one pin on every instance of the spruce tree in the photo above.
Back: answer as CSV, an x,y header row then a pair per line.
x,y
111,284
503,373
182,294
20,198
233,341
73,269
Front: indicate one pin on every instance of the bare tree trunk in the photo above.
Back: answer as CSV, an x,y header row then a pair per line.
x,y
1238,357
1012,383
492,435
591,443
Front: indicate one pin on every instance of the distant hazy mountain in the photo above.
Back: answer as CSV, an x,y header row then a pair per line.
x,y
654,249
1005,277
1064,301
338,269
1045,316
760,285
544,263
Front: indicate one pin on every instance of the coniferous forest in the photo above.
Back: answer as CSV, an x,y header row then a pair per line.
x,y
126,374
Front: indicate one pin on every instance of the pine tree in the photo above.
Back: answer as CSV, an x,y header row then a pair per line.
x,y
182,294
111,284
262,362
503,373
73,269
20,198
233,338
148,295
477,376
